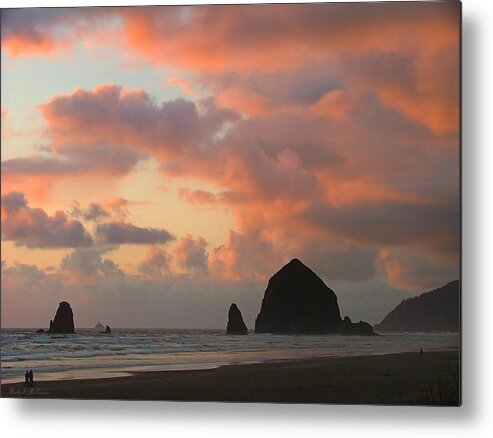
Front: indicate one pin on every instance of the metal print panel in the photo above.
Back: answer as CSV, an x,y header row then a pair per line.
x,y
248,203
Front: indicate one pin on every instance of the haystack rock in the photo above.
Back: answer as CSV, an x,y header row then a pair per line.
x,y
64,320
236,325
297,301
108,329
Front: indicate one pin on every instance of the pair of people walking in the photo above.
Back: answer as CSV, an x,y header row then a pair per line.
x,y
29,376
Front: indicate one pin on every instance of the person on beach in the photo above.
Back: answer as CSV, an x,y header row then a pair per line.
x,y
26,382
31,378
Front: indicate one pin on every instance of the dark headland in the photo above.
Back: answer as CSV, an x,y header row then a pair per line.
x,y
435,311
297,301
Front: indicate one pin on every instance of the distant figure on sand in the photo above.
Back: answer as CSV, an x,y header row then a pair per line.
x,y
26,382
31,378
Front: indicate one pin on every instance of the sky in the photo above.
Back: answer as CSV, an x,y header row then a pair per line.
x,y
160,163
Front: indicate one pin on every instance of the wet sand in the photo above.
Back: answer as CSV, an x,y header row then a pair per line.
x,y
406,378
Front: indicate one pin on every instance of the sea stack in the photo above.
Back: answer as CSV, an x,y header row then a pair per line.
x,y
236,325
108,329
297,301
64,320
359,328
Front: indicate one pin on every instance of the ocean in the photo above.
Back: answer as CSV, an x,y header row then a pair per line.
x,y
89,354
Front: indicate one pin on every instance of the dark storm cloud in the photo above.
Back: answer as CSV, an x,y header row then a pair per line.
x,y
119,233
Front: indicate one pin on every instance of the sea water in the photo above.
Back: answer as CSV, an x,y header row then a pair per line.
x,y
89,354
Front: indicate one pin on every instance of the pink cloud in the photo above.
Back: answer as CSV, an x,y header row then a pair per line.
x,y
414,272
280,38
112,207
93,212
285,171
156,263
34,228
252,59
245,256
37,175
329,122
42,31
191,254
86,265
197,197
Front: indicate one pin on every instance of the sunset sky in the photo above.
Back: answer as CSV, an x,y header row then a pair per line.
x,y
160,163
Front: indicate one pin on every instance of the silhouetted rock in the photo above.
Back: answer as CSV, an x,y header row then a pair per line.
x,y
297,301
108,329
236,325
99,326
438,310
40,331
359,328
64,320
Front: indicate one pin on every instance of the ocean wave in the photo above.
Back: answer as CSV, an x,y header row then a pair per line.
x,y
74,355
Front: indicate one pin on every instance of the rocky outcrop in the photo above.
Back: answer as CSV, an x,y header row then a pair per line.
x,y
40,331
99,326
355,329
434,311
236,325
108,329
63,321
297,301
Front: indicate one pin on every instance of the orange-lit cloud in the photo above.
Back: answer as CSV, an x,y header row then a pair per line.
x,y
186,86
36,175
245,256
191,254
281,38
414,272
42,31
34,228
197,197
338,179
333,125
406,53
156,263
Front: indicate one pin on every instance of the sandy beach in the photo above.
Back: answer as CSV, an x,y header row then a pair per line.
x,y
406,379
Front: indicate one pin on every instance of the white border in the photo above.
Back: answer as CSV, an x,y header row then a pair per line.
x,y
116,419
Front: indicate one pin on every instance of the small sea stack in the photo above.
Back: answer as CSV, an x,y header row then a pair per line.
x,y
108,329
64,319
236,325
357,328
